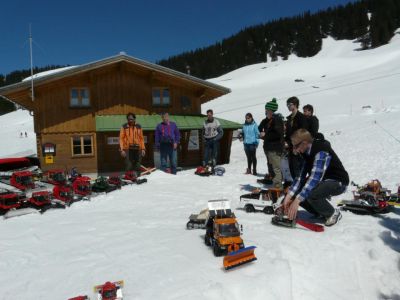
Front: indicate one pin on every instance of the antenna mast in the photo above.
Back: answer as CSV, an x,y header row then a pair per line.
x,y
30,47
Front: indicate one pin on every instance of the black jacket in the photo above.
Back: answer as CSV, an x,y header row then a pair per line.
x,y
335,170
312,125
273,128
292,124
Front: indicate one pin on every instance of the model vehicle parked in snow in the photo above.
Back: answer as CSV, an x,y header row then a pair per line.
x,y
64,194
40,200
368,199
261,200
9,201
22,180
223,234
109,290
102,185
198,221
81,186
56,177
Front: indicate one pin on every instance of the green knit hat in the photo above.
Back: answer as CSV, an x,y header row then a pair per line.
x,y
272,105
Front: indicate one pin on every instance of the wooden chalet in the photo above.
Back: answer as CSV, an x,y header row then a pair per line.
x,y
78,112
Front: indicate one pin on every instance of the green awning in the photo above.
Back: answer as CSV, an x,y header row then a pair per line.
x,y
149,122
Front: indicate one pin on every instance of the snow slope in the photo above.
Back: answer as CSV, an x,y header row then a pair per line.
x,y
138,233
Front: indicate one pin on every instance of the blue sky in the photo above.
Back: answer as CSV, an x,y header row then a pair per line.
x,y
77,32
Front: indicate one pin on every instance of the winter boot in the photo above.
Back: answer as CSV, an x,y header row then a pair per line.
x,y
332,220
254,172
248,171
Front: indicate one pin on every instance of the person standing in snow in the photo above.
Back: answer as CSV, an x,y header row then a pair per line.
x,y
212,133
131,143
167,138
295,121
322,176
250,135
312,121
271,131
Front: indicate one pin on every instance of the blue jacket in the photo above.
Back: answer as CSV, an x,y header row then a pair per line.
x,y
251,134
167,133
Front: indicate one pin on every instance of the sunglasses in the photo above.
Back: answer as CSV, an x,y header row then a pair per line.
x,y
131,119
289,104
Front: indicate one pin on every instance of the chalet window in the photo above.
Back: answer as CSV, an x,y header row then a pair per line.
x,y
82,145
79,97
161,97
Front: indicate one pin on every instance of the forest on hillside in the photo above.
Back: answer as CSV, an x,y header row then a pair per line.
x,y
372,23
18,76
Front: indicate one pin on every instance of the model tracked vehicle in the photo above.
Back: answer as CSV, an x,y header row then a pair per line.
x,y
56,177
362,206
368,199
198,221
223,234
22,180
261,200
64,194
8,201
109,290
81,186
102,185
371,190
40,200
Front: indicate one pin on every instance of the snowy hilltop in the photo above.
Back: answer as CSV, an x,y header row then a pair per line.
x,y
138,233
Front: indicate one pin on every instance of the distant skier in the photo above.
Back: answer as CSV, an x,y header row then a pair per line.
x,y
26,135
321,177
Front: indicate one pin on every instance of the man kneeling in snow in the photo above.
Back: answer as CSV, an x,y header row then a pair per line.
x,y
322,176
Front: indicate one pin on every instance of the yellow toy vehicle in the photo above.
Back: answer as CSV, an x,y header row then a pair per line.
x,y
223,234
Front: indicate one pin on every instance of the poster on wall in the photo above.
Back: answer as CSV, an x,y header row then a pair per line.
x,y
111,140
194,140
114,140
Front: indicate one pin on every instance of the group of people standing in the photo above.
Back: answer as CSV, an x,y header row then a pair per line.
x,y
316,171
276,133
167,139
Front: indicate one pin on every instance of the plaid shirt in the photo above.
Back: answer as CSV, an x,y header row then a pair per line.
x,y
302,186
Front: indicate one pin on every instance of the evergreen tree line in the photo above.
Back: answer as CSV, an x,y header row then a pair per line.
x,y
371,22
15,77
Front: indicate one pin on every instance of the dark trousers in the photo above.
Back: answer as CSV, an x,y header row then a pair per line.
x,y
317,202
250,150
133,159
295,163
167,152
210,152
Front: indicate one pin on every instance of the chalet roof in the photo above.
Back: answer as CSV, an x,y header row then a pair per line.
x,y
108,61
149,122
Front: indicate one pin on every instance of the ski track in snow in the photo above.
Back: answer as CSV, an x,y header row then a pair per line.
x,y
138,233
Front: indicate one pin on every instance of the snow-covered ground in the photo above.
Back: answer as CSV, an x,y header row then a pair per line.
x,y
138,233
